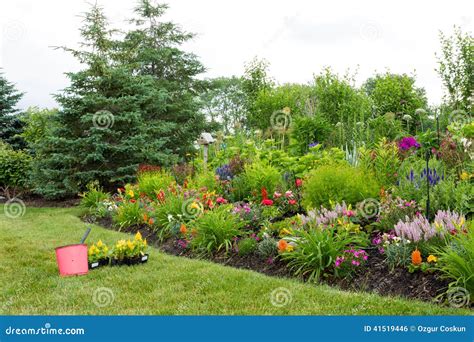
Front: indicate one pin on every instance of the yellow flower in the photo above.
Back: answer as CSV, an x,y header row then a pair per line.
x,y
100,244
131,193
464,175
194,205
290,248
432,258
285,231
138,236
130,244
144,242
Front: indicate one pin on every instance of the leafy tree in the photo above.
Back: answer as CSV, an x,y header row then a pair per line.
x,y
224,102
130,105
456,68
255,81
343,105
338,100
393,93
10,123
397,95
271,101
38,124
14,171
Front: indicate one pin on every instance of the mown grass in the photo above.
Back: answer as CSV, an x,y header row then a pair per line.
x,y
166,285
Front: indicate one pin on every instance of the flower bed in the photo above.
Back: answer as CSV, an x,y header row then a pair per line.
x,y
328,222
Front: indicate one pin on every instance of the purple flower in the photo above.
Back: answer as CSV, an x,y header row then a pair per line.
x,y
377,240
407,143
313,144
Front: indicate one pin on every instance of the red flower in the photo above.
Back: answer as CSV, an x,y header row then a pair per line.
x,y
298,182
267,202
161,196
264,193
133,201
292,202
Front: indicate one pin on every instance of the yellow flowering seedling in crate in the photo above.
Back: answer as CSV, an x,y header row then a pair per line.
x,y
130,252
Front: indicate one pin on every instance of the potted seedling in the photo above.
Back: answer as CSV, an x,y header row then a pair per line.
x,y
130,252
98,255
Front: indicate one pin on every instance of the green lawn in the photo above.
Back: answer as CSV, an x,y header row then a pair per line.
x,y
166,285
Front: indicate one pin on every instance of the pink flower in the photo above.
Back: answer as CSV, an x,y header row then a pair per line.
x,y
289,194
348,213
292,202
277,194
221,200
298,182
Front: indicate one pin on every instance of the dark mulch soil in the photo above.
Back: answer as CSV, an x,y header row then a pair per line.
x,y
376,277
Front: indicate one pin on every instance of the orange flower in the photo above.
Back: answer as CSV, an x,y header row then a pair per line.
x,y
282,245
183,229
145,217
150,221
416,257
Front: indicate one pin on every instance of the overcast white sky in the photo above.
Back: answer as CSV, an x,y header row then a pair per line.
x,y
297,37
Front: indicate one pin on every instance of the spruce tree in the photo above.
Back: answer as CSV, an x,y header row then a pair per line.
x,y
153,48
118,112
10,123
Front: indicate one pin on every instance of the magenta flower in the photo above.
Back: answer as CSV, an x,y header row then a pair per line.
x,y
407,143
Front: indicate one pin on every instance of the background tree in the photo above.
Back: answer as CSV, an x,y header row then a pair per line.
x,y
10,123
37,124
292,97
456,69
255,81
346,107
394,93
224,102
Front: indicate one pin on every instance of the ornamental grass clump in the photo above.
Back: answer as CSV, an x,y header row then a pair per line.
x,y
314,252
456,260
216,230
